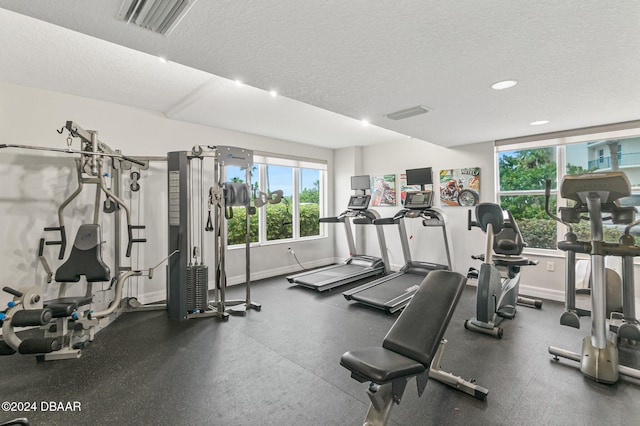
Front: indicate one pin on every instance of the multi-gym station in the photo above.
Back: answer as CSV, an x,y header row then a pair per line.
x,y
336,213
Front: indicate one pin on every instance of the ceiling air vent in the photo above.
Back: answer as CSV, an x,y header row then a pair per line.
x,y
409,112
160,16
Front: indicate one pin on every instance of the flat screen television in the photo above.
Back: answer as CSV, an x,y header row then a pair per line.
x,y
360,182
419,176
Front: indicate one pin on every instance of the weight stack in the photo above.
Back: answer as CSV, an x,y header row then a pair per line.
x,y
191,287
201,288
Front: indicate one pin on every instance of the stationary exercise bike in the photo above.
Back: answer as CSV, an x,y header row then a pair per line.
x,y
499,276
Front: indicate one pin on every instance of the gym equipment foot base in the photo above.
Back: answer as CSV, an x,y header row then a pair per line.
x,y
621,369
599,364
466,386
482,327
240,307
530,302
382,399
64,353
209,313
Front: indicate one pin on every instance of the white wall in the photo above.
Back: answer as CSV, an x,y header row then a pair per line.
x,y
36,182
427,243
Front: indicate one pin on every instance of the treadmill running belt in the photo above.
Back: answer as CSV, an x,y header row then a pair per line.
x,y
329,274
385,292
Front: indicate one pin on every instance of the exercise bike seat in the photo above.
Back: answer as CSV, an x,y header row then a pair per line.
x,y
409,346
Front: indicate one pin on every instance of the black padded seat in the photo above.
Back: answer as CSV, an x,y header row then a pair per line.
x,y
409,347
79,300
510,260
380,365
85,258
65,306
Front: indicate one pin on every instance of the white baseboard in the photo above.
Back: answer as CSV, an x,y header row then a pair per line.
x,y
157,295
532,291
541,293
526,290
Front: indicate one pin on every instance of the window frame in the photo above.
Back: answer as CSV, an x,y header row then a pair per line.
x,y
262,160
560,143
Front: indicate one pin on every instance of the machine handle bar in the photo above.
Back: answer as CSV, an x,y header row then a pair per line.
x,y
12,291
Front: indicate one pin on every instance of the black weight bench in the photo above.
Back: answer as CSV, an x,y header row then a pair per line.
x,y
412,348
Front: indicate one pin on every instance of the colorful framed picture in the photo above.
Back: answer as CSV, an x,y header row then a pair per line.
x,y
383,190
460,187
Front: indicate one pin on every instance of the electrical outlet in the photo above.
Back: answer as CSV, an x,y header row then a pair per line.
x,y
551,266
289,250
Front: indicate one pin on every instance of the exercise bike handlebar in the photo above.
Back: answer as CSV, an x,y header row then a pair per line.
x,y
470,223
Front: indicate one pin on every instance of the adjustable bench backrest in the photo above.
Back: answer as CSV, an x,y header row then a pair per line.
x,y
418,331
85,258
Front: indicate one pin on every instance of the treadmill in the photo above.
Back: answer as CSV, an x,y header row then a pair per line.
x,y
357,266
392,292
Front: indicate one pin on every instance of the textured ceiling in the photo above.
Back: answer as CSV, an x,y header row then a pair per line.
x,y
336,62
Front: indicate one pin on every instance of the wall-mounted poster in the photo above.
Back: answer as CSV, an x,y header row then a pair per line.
x,y
404,187
460,187
383,190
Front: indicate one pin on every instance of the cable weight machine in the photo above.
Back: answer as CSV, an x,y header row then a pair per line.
x,y
187,273
68,322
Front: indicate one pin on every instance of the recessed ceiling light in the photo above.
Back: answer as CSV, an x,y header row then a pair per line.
x,y
365,123
273,93
238,83
163,59
539,122
504,84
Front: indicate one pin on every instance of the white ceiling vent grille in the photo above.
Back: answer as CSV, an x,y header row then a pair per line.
x,y
160,16
409,112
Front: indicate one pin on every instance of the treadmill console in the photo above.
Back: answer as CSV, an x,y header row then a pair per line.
x,y
418,200
359,202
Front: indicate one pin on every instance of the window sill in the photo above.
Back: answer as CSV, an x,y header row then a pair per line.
x,y
278,242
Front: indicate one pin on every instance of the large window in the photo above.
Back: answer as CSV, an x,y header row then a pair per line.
x,y
237,225
309,202
280,216
296,215
522,174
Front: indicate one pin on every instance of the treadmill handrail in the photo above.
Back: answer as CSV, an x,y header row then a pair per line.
x,y
386,221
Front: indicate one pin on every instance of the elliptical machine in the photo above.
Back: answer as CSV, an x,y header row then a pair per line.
x,y
597,193
499,276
